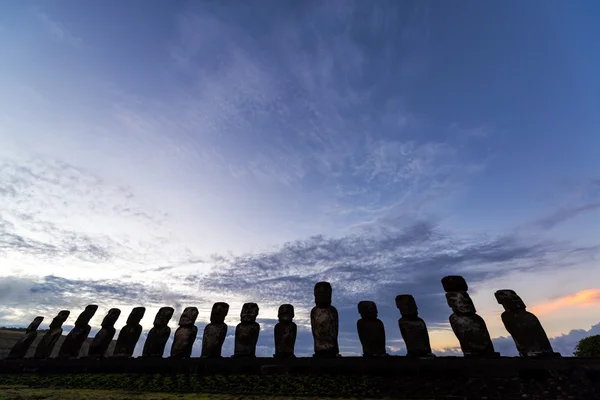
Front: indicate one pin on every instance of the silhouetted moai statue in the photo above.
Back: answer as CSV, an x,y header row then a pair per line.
x,y
215,332
247,331
285,332
130,333
186,334
159,335
105,335
371,331
413,329
20,348
74,340
524,327
324,322
46,345
469,328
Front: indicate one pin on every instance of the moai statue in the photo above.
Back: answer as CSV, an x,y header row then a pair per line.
x,y
215,332
20,348
285,332
370,330
247,331
46,345
74,340
469,328
159,335
413,329
324,322
105,335
186,334
130,333
524,327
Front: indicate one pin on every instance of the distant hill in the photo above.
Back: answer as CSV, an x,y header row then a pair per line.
x,y
10,336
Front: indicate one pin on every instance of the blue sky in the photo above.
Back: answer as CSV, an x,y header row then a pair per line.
x,y
180,153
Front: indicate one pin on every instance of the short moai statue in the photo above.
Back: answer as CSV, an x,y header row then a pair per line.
x,y
20,348
130,333
412,327
105,335
524,327
186,334
371,331
46,345
159,334
324,321
247,331
75,339
285,332
469,328
215,332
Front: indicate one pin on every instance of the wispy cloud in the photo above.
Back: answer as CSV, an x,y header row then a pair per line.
x,y
58,31
583,298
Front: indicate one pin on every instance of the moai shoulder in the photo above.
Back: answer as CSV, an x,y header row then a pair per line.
x,y
215,332
75,339
371,331
20,348
247,331
285,332
526,330
46,345
185,335
159,334
324,321
105,335
412,328
130,333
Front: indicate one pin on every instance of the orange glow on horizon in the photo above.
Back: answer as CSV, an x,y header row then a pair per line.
x,y
583,298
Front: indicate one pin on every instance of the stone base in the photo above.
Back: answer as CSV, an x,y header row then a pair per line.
x,y
284,355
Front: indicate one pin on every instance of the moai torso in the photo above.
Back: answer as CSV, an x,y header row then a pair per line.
x,y
46,345
74,340
215,332
247,331
285,332
371,331
130,333
412,328
469,328
20,348
186,334
524,327
105,335
159,334
324,322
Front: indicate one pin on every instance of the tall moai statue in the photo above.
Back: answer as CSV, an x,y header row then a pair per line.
x,y
324,322
469,328
371,331
285,332
524,327
130,333
186,334
20,348
105,335
159,334
412,327
75,339
46,345
247,331
215,332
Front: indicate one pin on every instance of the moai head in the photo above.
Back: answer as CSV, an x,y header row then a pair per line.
x,y
60,319
219,312
34,324
407,305
111,317
460,302
249,312
454,283
286,313
367,309
163,316
510,300
86,315
136,315
189,316
323,293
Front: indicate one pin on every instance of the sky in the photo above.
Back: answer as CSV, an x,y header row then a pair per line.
x,y
179,153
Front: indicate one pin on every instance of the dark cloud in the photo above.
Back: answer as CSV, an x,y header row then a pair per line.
x,y
566,214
